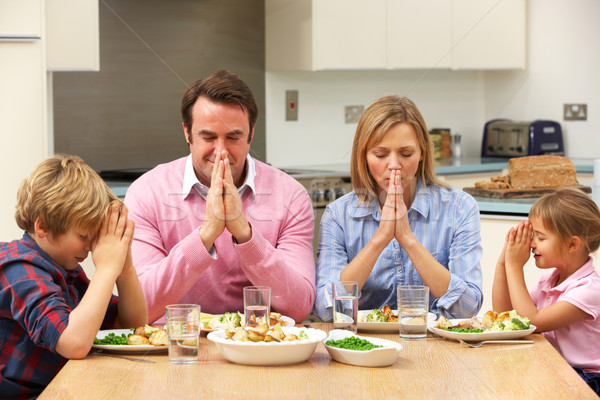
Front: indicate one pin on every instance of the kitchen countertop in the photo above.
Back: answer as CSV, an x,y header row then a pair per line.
x,y
447,166
444,166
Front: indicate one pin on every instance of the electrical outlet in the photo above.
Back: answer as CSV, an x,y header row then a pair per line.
x,y
575,112
352,113
291,105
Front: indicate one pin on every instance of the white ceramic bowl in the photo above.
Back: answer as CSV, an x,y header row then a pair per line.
x,y
269,353
379,357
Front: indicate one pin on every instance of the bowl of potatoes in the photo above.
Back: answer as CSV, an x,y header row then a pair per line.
x,y
264,345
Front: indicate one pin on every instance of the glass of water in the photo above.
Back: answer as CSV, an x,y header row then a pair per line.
x,y
413,305
183,329
257,305
345,305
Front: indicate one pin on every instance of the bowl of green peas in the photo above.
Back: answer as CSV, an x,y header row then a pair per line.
x,y
345,347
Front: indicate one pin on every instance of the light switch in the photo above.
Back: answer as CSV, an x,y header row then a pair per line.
x,y
291,105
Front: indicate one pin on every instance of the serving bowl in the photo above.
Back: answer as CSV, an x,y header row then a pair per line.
x,y
379,357
269,353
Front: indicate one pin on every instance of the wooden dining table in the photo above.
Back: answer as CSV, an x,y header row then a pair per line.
x,y
433,368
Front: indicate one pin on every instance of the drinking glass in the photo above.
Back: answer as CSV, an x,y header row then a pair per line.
x,y
183,329
257,305
413,305
345,305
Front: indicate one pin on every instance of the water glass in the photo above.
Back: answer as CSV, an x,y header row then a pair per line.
x,y
413,305
345,305
183,329
257,305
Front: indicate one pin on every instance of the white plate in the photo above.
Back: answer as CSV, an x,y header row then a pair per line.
x,y
290,323
126,348
269,353
501,335
379,357
384,326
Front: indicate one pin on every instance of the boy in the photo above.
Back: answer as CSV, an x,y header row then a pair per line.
x,y
49,310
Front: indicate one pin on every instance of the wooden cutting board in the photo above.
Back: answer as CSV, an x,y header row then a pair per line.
x,y
515,193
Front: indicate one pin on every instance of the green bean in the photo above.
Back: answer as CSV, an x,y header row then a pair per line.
x,y
352,343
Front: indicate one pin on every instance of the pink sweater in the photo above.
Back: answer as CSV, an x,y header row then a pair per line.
x,y
174,266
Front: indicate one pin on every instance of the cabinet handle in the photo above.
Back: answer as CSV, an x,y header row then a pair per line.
x,y
19,38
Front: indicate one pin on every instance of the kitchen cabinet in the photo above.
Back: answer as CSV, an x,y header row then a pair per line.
x,y
21,20
418,34
314,35
23,103
72,35
488,34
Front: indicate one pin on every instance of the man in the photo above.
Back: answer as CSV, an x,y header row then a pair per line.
x,y
217,220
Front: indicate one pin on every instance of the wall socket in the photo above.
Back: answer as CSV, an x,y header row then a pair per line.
x,y
352,113
291,105
575,112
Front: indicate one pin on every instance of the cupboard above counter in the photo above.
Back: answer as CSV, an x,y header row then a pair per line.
x,y
313,35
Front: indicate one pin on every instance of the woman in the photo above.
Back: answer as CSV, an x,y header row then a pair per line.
x,y
400,225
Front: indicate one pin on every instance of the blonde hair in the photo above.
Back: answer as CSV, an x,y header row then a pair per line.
x,y
569,212
375,122
65,193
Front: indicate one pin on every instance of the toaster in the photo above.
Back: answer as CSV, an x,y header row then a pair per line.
x,y
506,138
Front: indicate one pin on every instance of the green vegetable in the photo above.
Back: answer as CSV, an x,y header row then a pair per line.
x,y
520,324
302,335
149,329
111,339
376,316
232,319
352,343
464,330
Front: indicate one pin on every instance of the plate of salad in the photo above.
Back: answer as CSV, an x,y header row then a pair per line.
x,y
384,320
115,341
504,326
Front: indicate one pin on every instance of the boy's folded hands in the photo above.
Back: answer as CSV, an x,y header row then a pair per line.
x,y
111,246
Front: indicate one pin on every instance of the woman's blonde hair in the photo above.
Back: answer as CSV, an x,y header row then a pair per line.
x,y
569,212
65,193
375,122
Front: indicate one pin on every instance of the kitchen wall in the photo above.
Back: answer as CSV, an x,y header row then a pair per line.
x,y
127,115
451,99
563,57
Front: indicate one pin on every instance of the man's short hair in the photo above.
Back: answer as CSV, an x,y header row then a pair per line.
x,y
65,193
221,87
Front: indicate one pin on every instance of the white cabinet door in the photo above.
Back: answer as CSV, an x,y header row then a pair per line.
x,y
394,34
72,35
23,123
21,19
488,34
418,34
349,34
288,35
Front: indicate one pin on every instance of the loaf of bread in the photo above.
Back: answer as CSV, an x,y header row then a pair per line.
x,y
491,185
541,172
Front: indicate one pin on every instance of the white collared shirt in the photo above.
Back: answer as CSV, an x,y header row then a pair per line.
x,y
190,180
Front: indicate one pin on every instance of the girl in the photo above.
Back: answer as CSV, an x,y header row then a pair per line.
x,y
401,225
563,229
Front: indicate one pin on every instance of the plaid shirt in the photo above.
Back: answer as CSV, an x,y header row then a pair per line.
x,y
36,297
